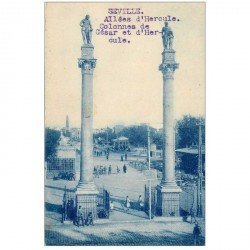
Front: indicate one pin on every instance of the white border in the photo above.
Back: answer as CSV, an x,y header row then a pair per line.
x,y
22,90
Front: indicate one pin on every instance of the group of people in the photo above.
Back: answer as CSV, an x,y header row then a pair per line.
x,y
81,221
98,153
127,204
104,170
124,157
140,204
68,209
70,212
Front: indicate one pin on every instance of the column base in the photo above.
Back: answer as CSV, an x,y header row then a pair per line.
x,y
168,200
86,197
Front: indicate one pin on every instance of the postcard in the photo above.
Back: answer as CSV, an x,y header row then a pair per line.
x,y
125,124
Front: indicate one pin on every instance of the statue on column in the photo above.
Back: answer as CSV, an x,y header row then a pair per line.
x,y
167,37
86,30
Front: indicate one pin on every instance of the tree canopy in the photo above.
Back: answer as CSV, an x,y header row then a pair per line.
x,y
51,142
188,131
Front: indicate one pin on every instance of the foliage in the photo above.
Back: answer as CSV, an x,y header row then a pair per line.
x,y
51,142
137,135
188,131
107,135
188,135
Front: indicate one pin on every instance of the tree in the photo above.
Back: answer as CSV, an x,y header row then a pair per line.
x,y
137,135
188,135
157,138
51,142
108,135
188,131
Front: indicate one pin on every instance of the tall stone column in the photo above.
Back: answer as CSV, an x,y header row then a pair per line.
x,y
86,191
168,193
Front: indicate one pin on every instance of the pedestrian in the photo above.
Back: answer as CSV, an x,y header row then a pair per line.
x,y
124,169
111,206
68,210
121,157
109,169
126,157
196,233
97,171
80,218
127,203
105,170
72,209
117,170
192,214
89,220
140,203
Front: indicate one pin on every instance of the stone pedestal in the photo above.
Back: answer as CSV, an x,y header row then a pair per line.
x,y
168,201
86,191
168,193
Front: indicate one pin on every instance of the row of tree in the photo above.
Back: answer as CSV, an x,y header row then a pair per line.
x,y
186,134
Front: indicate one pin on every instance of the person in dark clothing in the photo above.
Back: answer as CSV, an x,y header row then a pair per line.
x,y
72,209
68,210
126,157
109,169
196,233
89,220
124,169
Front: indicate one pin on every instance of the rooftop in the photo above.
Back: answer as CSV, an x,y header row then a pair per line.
x,y
191,150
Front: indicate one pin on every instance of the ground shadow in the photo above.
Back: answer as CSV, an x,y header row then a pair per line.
x,y
53,207
126,238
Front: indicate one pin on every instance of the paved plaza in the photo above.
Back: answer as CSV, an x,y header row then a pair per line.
x,y
123,227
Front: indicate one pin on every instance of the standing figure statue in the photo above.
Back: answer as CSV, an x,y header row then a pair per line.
x,y
86,30
167,37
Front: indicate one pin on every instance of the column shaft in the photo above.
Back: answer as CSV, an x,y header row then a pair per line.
x,y
86,129
168,132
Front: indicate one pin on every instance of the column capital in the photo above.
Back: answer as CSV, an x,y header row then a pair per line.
x,y
87,65
168,70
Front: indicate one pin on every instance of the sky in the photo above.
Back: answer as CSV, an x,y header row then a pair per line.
x,y
127,82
